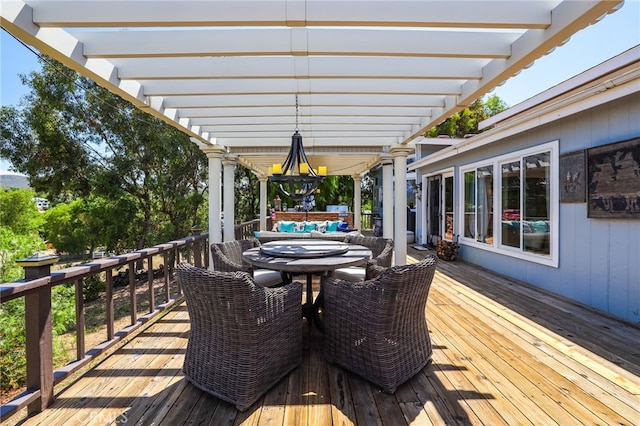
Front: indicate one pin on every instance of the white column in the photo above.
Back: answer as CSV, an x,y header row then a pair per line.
x,y
400,154
263,202
387,197
229,169
214,154
357,202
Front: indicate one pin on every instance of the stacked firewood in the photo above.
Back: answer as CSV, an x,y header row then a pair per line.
x,y
447,250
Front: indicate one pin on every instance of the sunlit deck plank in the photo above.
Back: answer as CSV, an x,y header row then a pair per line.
x,y
96,394
602,366
517,362
295,412
319,392
503,354
598,370
571,376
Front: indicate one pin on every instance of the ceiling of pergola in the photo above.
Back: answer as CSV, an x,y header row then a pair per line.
x,y
369,74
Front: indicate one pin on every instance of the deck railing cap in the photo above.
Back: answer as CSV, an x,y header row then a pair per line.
x,y
38,259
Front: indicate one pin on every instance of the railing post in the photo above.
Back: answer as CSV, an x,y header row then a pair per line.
x,y
80,323
197,248
39,336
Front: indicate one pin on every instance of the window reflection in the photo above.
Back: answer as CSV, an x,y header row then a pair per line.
x,y
470,204
536,203
478,196
448,207
510,208
485,204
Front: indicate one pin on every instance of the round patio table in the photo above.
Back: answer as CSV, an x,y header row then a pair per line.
x,y
307,256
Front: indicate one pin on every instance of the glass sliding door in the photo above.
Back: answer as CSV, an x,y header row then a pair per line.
x,y
449,221
434,210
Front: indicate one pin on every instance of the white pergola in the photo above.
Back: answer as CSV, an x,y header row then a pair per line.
x,y
371,76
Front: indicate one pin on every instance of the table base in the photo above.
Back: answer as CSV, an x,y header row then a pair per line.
x,y
310,307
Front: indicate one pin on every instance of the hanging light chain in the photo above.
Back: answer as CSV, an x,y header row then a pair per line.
x,y
296,112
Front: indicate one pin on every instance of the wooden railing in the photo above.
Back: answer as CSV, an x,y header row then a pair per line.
x,y
246,229
365,220
36,290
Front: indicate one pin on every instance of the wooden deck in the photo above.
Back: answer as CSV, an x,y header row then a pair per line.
x,y
504,354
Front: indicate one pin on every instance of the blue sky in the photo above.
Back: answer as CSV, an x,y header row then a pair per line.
x,y
614,34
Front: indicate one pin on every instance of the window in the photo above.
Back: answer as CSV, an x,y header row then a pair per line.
x,y
510,211
526,204
470,204
448,208
478,190
536,202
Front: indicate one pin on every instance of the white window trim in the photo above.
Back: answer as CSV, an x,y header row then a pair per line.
x,y
549,260
447,172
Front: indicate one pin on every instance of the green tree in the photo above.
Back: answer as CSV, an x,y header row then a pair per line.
x,y
246,195
367,191
19,212
466,121
65,229
76,139
13,247
333,190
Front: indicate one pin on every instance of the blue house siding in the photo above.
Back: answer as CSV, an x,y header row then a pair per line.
x,y
598,259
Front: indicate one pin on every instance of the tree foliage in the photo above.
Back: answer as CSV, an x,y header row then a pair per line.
x,y
247,194
138,176
19,212
65,229
333,190
466,121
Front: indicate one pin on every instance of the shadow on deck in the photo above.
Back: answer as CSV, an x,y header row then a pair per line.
x,y
504,353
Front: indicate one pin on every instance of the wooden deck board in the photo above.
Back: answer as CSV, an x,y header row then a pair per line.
x,y
574,375
504,353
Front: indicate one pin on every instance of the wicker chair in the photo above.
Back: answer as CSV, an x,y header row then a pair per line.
x,y
377,328
227,257
382,252
244,338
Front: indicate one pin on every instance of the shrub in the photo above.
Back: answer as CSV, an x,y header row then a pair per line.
x,y
93,286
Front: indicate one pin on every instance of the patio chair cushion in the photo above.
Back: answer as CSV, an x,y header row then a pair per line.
x,y
381,251
352,273
227,257
267,277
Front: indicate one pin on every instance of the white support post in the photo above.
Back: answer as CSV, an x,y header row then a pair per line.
x,y
400,154
387,197
263,202
229,168
357,202
214,155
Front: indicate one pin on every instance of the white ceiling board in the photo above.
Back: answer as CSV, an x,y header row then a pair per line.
x,y
296,41
139,13
220,86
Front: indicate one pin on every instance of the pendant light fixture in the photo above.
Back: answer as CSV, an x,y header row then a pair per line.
x,y
296,178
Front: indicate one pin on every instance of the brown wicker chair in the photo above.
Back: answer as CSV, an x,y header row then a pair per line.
x,y
227,257
377,328
382,252
244,338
